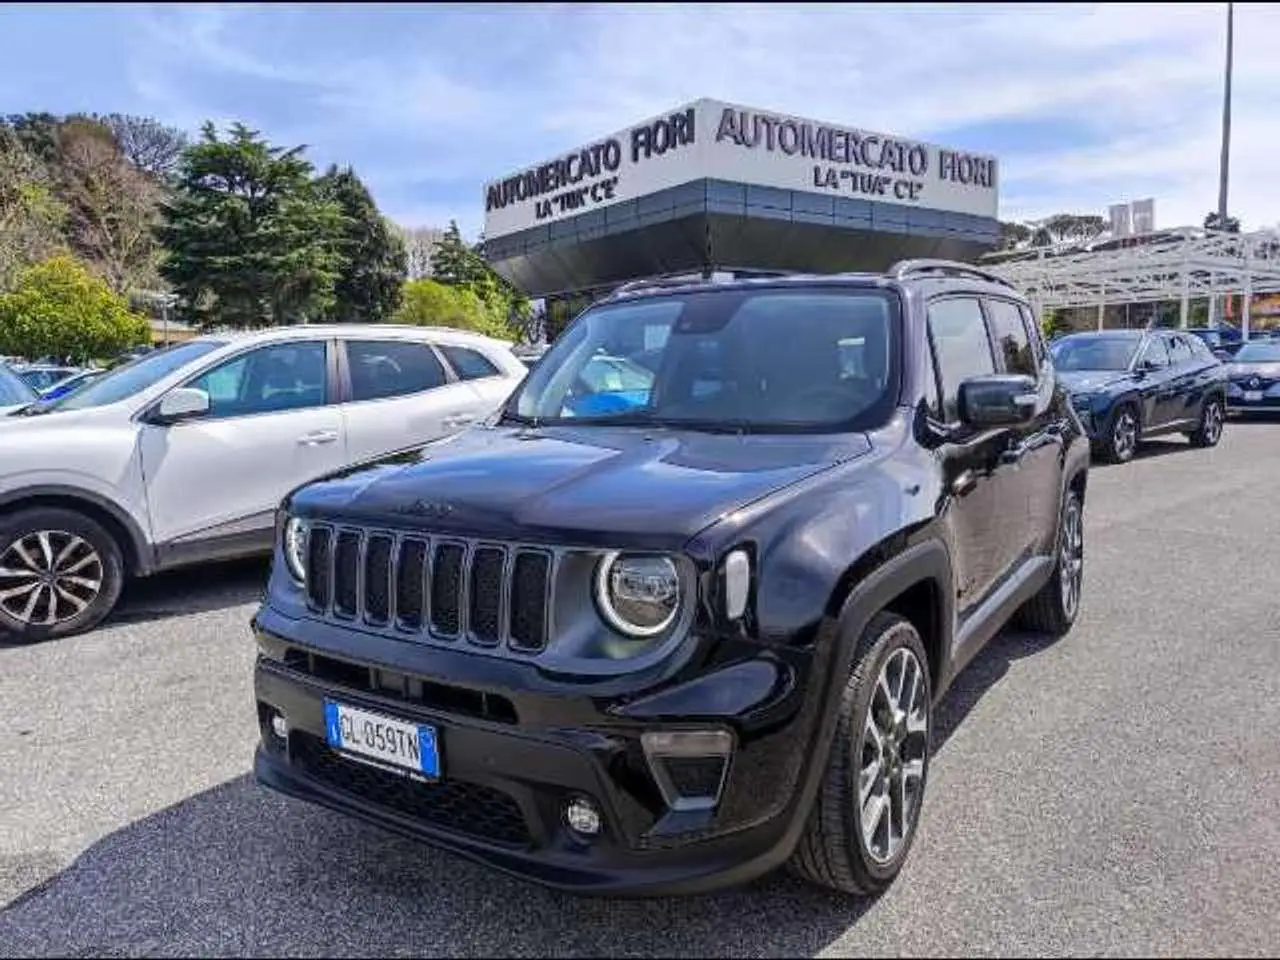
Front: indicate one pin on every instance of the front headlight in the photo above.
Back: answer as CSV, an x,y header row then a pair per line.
x,y
639,596
295,548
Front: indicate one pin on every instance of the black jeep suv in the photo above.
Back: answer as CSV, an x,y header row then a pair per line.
x,y
672,624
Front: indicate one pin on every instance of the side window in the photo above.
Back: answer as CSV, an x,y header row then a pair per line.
x,y
1155,353
392,368
271,379
470,364
1179,350
961,345
1033,332
1012,341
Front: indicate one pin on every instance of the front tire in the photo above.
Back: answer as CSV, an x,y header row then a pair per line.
x,y
863,820
1054,609
1209,431
1121,440
60,574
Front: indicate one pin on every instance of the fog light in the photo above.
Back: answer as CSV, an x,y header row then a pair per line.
x,y
280,726
582,816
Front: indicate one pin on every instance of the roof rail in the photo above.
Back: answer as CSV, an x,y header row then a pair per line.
x,y
711,275
905,268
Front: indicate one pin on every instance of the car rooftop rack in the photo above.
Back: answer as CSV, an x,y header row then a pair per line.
x,y
949,268
711,275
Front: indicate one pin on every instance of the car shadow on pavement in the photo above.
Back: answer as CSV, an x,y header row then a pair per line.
x,y
238,870
199,589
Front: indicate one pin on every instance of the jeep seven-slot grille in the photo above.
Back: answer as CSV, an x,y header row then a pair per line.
x,y
491,594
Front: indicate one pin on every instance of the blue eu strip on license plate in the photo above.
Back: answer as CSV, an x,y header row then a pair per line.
x,y
397,743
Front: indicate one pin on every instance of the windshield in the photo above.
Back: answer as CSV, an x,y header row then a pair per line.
x,y
769,359
124,382
1256,352
12,390
1094,353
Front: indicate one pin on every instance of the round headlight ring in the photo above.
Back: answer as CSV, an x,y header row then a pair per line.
x,y
295,548
606,599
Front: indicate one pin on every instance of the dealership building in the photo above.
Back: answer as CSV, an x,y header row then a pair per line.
x,y
714,185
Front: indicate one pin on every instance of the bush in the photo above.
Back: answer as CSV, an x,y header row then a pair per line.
x,y
57,308
428,303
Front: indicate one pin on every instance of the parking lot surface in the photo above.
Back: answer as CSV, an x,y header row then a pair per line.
x,y
1113,793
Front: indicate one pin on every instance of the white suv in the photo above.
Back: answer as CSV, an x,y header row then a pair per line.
x,y
182,456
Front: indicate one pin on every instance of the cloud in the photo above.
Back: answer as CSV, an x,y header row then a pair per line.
x,y
1084,104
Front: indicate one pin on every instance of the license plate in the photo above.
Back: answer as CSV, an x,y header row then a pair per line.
x,y
1252,396
406,746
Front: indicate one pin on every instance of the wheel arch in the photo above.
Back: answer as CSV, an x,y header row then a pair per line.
x,y
113,518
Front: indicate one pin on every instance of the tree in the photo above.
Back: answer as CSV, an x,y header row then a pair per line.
x,y
31,216
59,308
1013,235
419,244
147,144
113,206
430,303
1069,228
373,258
250,241
1213,222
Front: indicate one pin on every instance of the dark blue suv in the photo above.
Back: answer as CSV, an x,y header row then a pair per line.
x,y
1131,385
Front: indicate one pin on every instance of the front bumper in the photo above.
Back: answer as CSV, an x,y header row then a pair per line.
x,y
1243,399
512,758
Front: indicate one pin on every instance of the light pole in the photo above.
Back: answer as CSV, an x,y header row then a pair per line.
x,y
1224,159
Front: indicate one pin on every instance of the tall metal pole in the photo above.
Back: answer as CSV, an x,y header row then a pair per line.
x,y
1224,163
1224,160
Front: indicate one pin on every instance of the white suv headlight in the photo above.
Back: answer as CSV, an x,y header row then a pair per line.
x,y
295,548
639,596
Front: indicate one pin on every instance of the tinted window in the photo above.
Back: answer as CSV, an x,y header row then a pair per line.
x,y
961,345
736,359
469,364
283,376
1012,341
1179,350
12,390
391,368
124,382
1155,353
1033,329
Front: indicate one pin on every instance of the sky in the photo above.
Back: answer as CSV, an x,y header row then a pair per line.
x,y
1084,105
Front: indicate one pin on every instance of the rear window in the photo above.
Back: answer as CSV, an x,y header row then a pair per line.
x,y
469,364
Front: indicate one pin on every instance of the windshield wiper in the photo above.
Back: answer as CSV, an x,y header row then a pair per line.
x,y
519,418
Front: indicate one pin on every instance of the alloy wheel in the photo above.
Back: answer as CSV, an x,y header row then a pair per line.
x,y
1213,422
895,740
1071,558
1124,435
48,577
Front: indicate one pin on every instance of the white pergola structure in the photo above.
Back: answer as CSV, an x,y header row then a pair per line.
x,y
1166,265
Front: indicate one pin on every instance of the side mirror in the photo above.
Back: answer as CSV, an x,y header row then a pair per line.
x,y
999,400
183,403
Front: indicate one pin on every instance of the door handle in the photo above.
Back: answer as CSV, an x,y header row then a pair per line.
x,y
1013,456
317,438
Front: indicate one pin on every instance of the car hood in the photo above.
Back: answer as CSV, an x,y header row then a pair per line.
x,y
1090,381
587,485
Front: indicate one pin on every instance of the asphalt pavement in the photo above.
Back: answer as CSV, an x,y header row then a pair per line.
x,y
1115,793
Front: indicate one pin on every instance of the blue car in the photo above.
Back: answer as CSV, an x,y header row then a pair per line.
x,y
73,382
1131,385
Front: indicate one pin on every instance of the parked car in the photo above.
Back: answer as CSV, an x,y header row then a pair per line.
x,y
40,377
1253,377
1223,341
15,393
676,645
1132,385
73,382
183,455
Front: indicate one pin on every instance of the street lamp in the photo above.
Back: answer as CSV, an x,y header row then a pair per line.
x,y
1224,159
